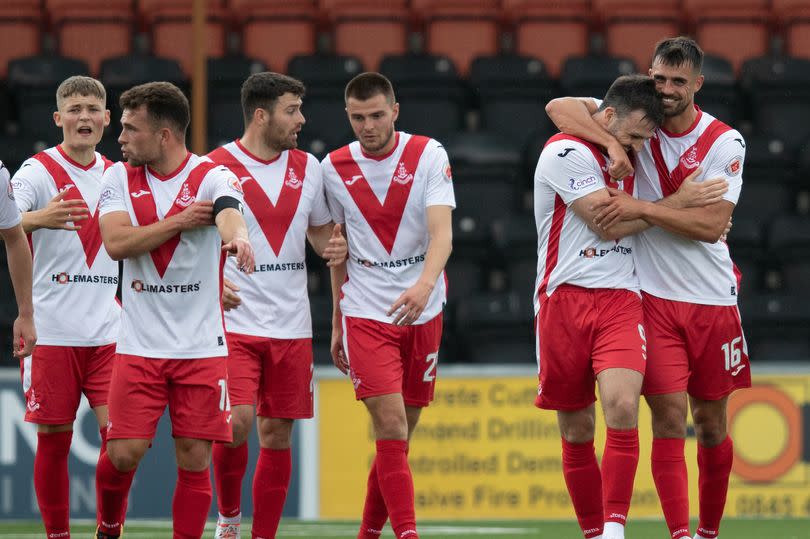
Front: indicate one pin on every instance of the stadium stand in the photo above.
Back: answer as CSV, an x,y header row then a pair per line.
x,y
225,78
369,29
20,30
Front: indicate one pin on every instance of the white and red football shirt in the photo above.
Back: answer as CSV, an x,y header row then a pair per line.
x,y
670,266
9,213
568,251
171,296
383,201
283,197
74,277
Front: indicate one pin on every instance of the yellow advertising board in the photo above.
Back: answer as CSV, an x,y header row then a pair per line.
x,y
482,450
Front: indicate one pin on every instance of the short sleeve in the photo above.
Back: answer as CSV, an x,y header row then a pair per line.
x,y
319,214
113,190
725,160
221,182
570,169
440,180
335,207
9,213
26,183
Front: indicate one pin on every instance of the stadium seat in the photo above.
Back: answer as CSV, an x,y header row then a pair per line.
x,y
768,160
550,30
734,29
430,94
225,78
121,73
462,30
91,30
496,328
789,238
5,106
719,95
274,31
513,92
779,91
325,77
783,348
592,75
745,240
633,27
793,18
32,83
20,28
170,26
17,148
369,29
796,276
515,237
465,277
774,316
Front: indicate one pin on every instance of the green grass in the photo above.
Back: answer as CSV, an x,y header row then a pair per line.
x,y
732,529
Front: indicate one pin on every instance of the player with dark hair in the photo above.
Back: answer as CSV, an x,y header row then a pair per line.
x,y
165,213
394,194
267,315
57,191
697,354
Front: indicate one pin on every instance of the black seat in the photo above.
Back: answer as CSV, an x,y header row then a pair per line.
x,y
515,237
431,96
513,91
764,201
496,328
464,277
325,76
789,238
32,82
779,90
768,159
719,95
793,348
592,75
225,78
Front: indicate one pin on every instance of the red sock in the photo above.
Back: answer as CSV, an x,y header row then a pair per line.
x,y
112,489
584,484
619,463
374,511
52,482
396,483
230,464
672,484
192,500
714,467
270,483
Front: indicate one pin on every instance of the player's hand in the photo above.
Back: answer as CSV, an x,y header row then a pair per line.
x,y
620,165
724,237
407,308
230,298
619,207
337,249
59,212
199,214
243,251
25,336
694,194
336,348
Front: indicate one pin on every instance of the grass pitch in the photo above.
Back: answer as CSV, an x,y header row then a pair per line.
x,y
731,529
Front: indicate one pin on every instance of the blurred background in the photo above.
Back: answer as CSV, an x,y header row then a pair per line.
x,y
476,75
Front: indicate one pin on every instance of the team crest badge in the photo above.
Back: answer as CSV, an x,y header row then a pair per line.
x,y
137,285
234,184
292,180
185,199
402,176
690,159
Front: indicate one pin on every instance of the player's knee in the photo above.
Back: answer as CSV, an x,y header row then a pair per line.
x,y
577,429
123,458
622,412
668,420
391,427
710,430
241,431
192,455
275,433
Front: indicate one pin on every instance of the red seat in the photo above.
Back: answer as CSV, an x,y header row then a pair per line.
x,y
633,27
793,17
369,29
551,30
274,31
734,29
172,32
92,31
461,30
20,27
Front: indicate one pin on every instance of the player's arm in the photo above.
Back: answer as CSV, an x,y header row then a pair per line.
x,y
20,269
337,276
328,241
587,208
409,306
123,240
234,233
574,116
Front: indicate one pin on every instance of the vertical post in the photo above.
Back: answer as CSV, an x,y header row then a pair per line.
x,y
199,80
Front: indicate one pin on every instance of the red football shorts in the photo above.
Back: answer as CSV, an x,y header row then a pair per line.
x,y
580,332
695,348
54,378
276,372
196,391
386,359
